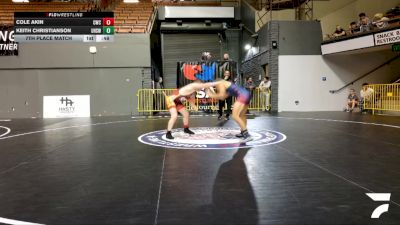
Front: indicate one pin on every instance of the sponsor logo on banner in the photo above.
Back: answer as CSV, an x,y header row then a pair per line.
x,y
387,37
8,46
66,106
211,138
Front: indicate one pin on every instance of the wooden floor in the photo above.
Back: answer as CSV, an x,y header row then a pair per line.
x,y
95,171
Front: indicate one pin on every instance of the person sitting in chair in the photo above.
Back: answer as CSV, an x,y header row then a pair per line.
x,y
352,101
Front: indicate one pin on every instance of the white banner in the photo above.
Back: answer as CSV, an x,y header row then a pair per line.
x,y
199,12
348,45
387,37
66,106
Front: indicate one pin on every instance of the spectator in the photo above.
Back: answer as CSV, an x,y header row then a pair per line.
x,y
364,23
354,29
209,57
206,56
221,103
160,82
157,94
352,101
265,86
339,32
380,21
226,57
249,84
362,16
393,12
228,64
366,95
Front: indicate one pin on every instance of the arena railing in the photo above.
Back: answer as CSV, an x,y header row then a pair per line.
x,y
386,97
153,100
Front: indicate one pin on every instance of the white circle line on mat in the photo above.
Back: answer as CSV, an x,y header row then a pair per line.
x,y
341,121
16,222
8,130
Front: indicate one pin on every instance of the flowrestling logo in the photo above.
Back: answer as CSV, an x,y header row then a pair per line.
x,y
380,197
211,138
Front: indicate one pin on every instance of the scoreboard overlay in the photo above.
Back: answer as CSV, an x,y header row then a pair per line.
x,y
64,26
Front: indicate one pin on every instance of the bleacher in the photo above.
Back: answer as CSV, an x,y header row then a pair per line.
x,y
133,17
7,9
129,17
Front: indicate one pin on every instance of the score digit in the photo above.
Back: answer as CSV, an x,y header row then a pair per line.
x,y
108,30
108,21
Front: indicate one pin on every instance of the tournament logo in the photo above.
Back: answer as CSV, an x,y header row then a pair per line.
x,y
204,71
211,138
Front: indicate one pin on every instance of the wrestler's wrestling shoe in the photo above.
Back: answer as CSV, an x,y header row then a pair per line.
x,y
187,131
169,135
240,135
246,136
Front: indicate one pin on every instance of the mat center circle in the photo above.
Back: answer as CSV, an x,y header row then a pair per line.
x,y
211,138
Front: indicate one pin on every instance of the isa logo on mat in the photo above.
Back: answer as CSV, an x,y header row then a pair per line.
x,y
211,138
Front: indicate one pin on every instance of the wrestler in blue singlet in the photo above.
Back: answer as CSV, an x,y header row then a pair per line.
x,y
242,95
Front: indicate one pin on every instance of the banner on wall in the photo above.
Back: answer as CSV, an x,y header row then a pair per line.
x,y
8,46
66,106
187,72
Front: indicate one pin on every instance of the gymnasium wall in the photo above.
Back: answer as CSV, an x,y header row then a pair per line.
x,y
123,52
111,77
299,38
262,17
293,38
300,78
247,15
330,16
255,64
